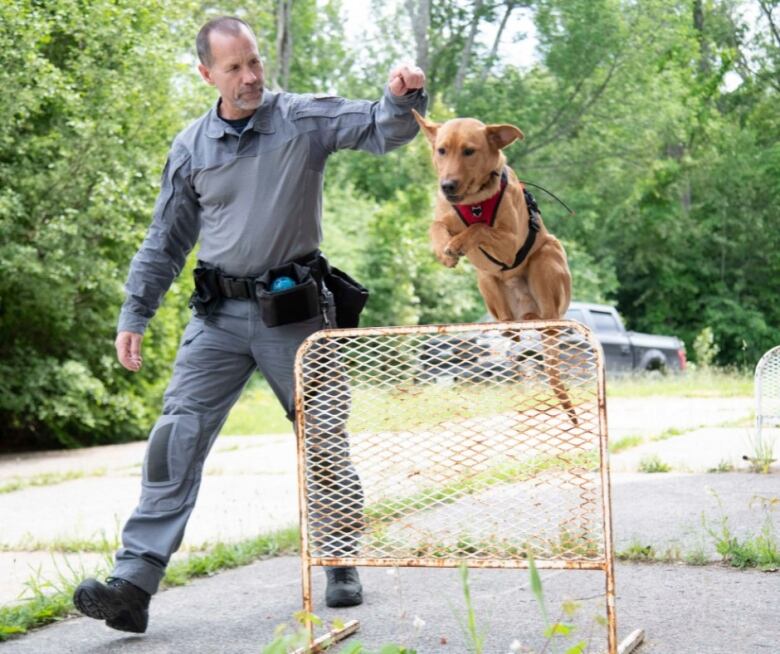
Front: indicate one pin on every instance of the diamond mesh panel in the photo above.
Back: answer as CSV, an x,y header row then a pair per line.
x,y
767,385
459,443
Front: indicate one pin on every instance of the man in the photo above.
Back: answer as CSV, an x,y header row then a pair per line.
x,y
245,178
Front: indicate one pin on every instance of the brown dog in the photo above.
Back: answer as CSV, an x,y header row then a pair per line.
x,y
482,212
470,164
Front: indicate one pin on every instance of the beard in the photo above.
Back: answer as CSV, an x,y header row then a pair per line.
x,y
247,100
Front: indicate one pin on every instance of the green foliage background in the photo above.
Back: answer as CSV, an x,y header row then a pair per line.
x,y
674,174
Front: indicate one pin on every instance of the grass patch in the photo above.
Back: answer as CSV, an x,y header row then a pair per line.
x,y
653,463
48,479
224,556
376,408
50,601
46,600
257,412
671,432
508,473
625,443
63,546
723,466
710,382
640,553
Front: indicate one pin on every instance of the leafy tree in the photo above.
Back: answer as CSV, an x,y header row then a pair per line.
x,y
87,118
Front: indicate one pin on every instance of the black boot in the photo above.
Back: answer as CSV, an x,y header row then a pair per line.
x,y
121,604
344,588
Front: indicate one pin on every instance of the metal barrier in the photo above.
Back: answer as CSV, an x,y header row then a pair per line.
x,y
767,385
483,444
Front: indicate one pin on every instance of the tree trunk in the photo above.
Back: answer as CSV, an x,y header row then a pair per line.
x,y
466,56
283,43
510,6
420,15
704,49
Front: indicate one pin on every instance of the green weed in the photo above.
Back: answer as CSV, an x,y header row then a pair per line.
x,y
761,455
653,463
474,636
760,551
636,552
45,600
723,466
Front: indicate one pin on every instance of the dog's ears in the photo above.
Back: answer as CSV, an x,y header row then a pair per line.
x,y
429,128
500,136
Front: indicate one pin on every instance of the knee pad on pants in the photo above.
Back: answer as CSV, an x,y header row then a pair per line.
x,y
169,468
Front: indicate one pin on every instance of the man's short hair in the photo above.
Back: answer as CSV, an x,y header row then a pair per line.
x,y
224,24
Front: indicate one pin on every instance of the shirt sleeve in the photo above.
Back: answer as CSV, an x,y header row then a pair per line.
x,y
171,236
377,127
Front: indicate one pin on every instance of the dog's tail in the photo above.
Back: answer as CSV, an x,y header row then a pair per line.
x,y
552,360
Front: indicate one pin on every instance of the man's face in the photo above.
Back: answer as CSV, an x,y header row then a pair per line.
x,y
236,71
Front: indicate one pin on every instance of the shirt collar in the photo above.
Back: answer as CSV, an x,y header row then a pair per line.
x,y
261,121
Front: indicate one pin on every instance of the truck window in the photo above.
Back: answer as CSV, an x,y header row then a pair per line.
x,y
604,322
576,314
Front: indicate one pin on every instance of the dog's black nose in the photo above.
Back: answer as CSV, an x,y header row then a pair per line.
x,y
449,186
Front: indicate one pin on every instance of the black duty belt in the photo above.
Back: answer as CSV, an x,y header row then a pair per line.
x,y
243,288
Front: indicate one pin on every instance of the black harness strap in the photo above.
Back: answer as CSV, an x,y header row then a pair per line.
x,y
533,230
534,224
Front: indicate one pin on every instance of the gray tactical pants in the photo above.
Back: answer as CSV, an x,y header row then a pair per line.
x,y
216,357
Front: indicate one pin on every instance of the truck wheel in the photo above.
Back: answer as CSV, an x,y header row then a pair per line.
x,y
655,368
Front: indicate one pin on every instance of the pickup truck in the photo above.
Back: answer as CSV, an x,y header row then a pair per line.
x,y
488,354
626,351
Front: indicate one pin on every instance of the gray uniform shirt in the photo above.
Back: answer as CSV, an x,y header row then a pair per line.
x,y
254,200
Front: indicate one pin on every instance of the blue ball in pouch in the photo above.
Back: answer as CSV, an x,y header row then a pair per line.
x,y
282,284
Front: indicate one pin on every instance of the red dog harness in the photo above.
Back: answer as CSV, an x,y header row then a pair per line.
x,y
486,212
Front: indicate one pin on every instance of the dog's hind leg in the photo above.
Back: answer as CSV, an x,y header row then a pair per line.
x,y
492,290
550,285
552,358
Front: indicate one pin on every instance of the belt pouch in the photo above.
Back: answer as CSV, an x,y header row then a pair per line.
x,y
301,302
349,297
205,297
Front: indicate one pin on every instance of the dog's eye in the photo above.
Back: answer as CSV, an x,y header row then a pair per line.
x,y
441,150
467,152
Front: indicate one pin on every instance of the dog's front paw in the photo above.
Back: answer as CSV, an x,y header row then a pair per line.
x,y
448,259
458,245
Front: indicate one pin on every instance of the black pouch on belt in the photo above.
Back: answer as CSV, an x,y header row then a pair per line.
x,y
205,297
301,302
349,296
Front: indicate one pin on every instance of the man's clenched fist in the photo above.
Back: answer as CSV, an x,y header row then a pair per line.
x,y
405,78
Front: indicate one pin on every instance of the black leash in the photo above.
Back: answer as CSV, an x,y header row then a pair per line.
x,y
552,195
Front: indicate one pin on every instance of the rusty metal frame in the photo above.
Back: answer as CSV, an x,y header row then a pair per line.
x,y
606,565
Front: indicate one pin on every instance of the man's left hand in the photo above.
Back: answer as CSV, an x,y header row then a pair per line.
x,y
406,78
